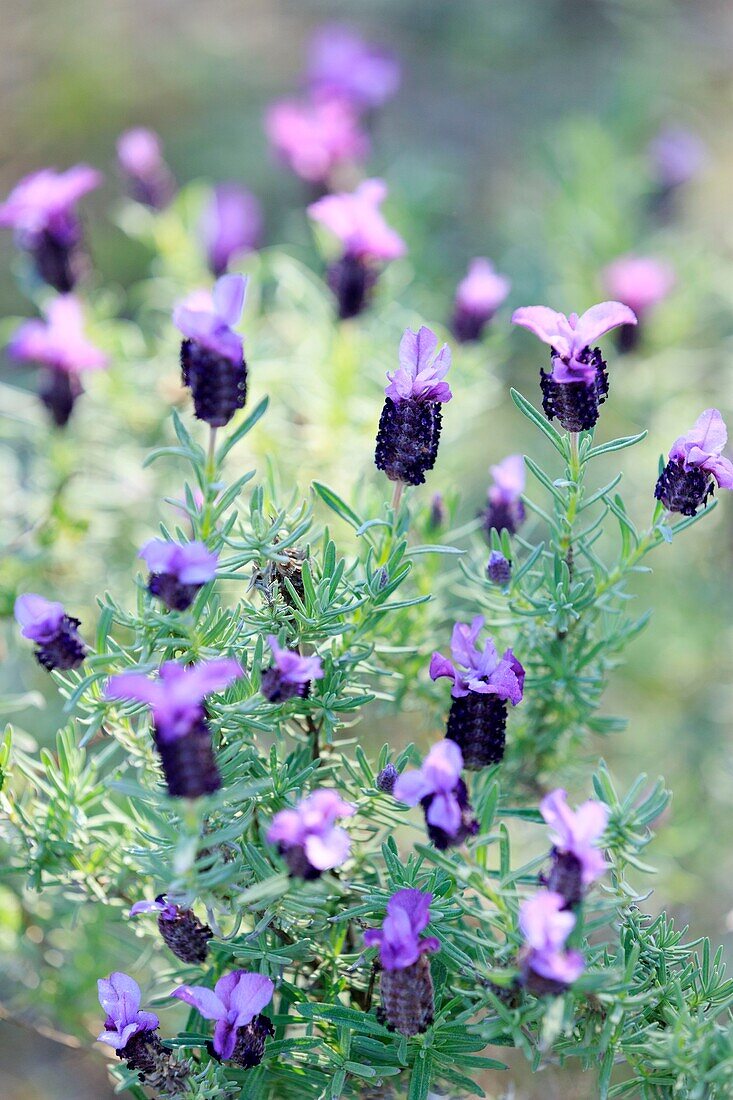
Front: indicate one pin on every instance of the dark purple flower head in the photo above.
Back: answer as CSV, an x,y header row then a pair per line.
x,y
119,996
166,910
209,320
422,369
570,337
45,201
400,944
309,827
676,156
577,833
437,779
231,224
479,669
546,925
233,1002
355,219
59,341
190,562
315,138
701,448
341,64
499,568
40,619
176,698
478,296
640,282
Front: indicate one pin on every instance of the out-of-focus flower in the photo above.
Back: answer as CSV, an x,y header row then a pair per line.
x,y
441,792
696,463
119,996
316,137
41,209
505,510
307,837
290,674
231,224
577,859
212,355
178,571
149,179
45,622
640,282
676,155
437,511
60,344
577,383
406,983
546,924
179,927
478,297
235,1003
342,65
411,419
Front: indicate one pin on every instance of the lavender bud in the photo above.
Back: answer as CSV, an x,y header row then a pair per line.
x,y
387,778
575,404
683,488
218,384
185,935
352,280
407,439
408,999
188,762
499,569
477,724
468,826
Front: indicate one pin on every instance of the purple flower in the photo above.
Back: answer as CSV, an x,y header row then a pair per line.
x,y
478,669
45,200
290,675
399,940
422,370
546,925
676,155
176,698
478,296
314,138
140,157
45,622
505,510
341,64
577,833
209,320
438,786
59,341
234,1002
190,562
119,996
231,225
695,463
307,837
640,282
179,927
355,219
165,909
571,337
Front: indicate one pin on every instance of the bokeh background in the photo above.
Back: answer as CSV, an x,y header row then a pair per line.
x,y
520,132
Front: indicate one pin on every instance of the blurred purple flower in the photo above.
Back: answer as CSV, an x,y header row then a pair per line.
x,y
355,219
399,940
178,571
234,1002
546,925
478,296
209,320
478,669
307,837
438,787
165,909
571,337
422,370
314,138
119,996
505,510
59,341
695,463
577,833
45,622
676,156
140,156
231,224
290,675
640,282
341,64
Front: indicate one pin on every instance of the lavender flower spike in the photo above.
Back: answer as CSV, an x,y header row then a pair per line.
x,y
133,1035
45,622
576,859
478,297
342,65
505,510
212,353
182,736
355,219
179,927
41,210
230,226
545,924
235,1003
149,179
178,572
291,675
406,982
483,684
411,420
60,345
578,381
441,792
306,836
695,464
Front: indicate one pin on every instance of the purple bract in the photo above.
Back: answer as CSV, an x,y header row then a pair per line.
x,y
45,200
310,826
208,320
546,925
39,619
59,341
438,777
570,336
166,910
640,282
399,940
233,1002
422,369
479,669
578,832
189,563
231,225
119,996
314,138
355,218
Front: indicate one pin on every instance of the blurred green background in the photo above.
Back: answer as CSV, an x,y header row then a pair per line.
x,y
520,133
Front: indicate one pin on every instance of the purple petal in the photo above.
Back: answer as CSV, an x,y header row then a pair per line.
x,y
135,686
205,1001
147,907
509,477
445,813
328,850
38,618
601,319
411,787
415,903
441,666
225,1039
551,327
722,470
443,765
229,294
119,996
251,994
286,828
